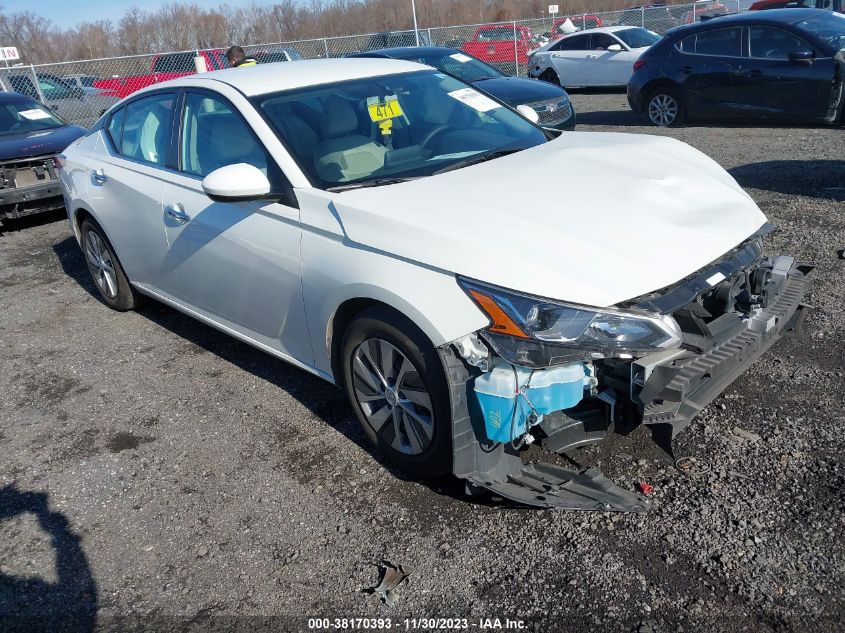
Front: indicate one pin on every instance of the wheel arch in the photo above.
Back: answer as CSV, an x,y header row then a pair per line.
x,y
659,82
352,306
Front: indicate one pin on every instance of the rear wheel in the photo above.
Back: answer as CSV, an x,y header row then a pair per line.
x,y
106,271
396,384
665,107
550,76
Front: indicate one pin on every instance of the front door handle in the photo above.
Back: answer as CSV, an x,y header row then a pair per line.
x,y
687,70
177,212
99,176
755,74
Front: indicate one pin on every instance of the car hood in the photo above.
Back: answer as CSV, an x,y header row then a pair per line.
x,y
38,143
591,218
517,91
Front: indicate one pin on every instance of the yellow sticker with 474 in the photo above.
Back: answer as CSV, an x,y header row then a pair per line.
x,y
382,110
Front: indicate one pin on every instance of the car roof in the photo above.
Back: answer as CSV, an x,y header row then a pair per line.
x,y
771,16
602,29
14,97
267,78
407,52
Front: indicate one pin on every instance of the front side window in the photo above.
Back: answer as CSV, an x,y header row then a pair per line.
x,y
214,136
602,41
147,128
87,81
770,43
407,125
26,116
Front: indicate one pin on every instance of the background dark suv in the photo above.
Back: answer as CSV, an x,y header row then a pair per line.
x,y
783,63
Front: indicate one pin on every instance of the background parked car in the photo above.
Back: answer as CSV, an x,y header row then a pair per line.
x,y
162,68
784,63
284,54
391,39
597,57
60,96
830,5
551,103
654,17
501,43
581,22
31,137
704,10
84,83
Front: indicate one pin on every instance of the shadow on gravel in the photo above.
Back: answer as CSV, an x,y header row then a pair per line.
x,y
33,605
13,226
325,401
810,178
610,117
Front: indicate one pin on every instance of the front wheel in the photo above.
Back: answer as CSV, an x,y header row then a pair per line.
x,y
396,384
665,107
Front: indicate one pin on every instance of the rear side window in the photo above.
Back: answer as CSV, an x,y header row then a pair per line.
x,y
23,85
577,43
147,128
115,127
720,43
771,43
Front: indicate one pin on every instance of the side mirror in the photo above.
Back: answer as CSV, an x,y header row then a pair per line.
x,y
236,183
528,113
614,48
802,56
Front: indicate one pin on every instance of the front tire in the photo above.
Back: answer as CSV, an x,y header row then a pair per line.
x,y
106,271
665,107
396,384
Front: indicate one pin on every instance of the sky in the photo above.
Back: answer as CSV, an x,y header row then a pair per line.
x,y
68,13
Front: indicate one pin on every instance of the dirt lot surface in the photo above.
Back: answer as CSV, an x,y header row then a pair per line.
x,y
156,475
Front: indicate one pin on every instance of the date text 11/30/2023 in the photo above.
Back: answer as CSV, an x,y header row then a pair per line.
x,y
415,624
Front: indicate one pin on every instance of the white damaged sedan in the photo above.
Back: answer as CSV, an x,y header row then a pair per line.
x,y
380,224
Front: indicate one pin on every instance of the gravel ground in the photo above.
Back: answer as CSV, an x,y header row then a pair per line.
x,y
154,473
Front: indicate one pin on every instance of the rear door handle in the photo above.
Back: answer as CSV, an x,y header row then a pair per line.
x,y
177,212
99,176
687,70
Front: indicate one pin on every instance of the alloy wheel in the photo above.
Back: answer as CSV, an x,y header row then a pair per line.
x,y
101,264
663,109
393,396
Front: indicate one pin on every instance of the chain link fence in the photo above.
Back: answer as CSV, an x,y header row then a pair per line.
x,y
80,91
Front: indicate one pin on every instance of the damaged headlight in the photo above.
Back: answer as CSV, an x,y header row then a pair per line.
x,y
539,332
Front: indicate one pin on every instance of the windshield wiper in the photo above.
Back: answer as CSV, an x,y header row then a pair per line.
x,y
377,182
474,160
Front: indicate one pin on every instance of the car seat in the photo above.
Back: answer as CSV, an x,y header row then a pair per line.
x,y
344,154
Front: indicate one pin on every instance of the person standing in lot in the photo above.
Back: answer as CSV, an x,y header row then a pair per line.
x,y
238,58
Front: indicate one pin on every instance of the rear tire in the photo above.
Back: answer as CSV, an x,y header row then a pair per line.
x,y
550,76
665,107
396,384
106,271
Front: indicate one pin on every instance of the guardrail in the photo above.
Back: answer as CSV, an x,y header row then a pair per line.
x,y
81,91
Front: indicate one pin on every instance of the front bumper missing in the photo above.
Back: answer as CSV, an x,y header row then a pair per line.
x,y
672,387
669,388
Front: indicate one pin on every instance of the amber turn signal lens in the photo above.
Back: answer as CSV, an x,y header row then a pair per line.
x,y
502,323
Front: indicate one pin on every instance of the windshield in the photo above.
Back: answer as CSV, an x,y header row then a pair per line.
x,y
407,125
638,37
827,26
458,65
26,116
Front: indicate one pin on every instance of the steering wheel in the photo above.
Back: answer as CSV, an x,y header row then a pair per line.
x,y
438,129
